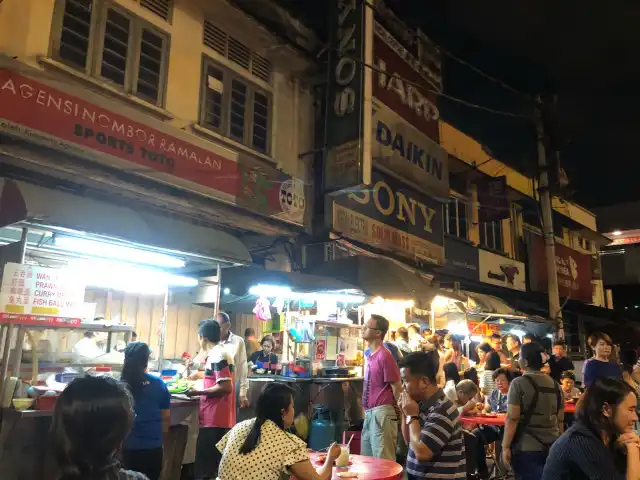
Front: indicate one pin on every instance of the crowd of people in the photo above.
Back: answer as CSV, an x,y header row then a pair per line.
x,y
413,400
518,377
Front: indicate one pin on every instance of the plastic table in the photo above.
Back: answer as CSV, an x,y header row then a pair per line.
x,y
497,421
367,468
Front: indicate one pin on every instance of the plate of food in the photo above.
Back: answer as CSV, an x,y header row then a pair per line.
x,y
179,386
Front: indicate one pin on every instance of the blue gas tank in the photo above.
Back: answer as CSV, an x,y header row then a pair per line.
x,y
323,430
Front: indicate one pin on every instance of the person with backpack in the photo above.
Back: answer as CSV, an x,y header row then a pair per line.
x,y
535,416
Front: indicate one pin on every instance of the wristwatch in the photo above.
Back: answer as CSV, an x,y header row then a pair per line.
x,y
412,418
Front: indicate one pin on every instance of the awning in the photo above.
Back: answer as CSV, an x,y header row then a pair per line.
x,y
379,276
239,279
26,202
488,304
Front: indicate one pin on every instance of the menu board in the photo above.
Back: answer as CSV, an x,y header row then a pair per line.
x,y
28,289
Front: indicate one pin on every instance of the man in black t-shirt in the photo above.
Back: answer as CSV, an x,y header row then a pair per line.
x,y
559,362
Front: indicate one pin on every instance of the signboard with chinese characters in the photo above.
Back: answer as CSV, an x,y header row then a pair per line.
x,y
392,217
501,271
347,161
573,270
31,290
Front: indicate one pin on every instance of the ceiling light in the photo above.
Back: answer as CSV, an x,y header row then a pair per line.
x,y
121,253
616,233
270,290
126,277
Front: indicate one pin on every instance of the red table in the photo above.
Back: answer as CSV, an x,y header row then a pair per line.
x,y
497,421
367,468
570,408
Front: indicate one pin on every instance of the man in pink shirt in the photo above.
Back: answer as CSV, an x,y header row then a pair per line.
x,y
217,400
382,389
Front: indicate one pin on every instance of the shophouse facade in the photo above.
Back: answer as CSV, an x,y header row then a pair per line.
x,y
185,120
401,183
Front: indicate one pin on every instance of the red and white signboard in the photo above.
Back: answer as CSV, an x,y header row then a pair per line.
x,y
573,268
29,290
403,84
39,113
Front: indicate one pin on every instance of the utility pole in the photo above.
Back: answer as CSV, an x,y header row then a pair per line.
x,y
555,310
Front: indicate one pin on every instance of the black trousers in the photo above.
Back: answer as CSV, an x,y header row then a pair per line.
x,y
207,455
148,462
485,435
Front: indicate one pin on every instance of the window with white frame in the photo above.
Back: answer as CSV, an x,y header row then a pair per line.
x,y
106,41
455,214
235,107
491,235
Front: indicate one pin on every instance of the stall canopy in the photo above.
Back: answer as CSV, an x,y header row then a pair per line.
x,y
379,276
240,279
488,304
22,202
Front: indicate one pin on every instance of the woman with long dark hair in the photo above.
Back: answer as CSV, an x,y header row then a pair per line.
x,y
143,447
601,444
91,420
454,354
261,448
483,350
492,363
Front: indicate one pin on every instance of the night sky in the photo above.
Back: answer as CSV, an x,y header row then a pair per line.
x,y
587,53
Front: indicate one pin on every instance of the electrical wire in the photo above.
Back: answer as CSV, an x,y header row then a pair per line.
x,y
459,60
438,93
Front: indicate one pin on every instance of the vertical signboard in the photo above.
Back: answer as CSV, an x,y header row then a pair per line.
x,y
493,198
349,107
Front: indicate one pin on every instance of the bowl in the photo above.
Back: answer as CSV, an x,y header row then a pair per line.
x,y
23,403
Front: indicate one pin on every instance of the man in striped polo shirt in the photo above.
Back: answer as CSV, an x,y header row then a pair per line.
x,y
436,444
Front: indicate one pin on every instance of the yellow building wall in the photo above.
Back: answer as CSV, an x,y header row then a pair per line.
x,y
471,152
26,29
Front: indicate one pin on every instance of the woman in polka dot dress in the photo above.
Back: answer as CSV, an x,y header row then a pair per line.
x,y
262,449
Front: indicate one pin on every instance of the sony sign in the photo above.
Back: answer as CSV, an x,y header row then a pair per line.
x,y
391,216
348,109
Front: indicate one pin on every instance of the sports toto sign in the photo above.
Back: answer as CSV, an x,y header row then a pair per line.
x,y
38,113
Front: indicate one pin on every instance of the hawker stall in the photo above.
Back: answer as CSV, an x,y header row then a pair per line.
x,y
316,324
70,302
